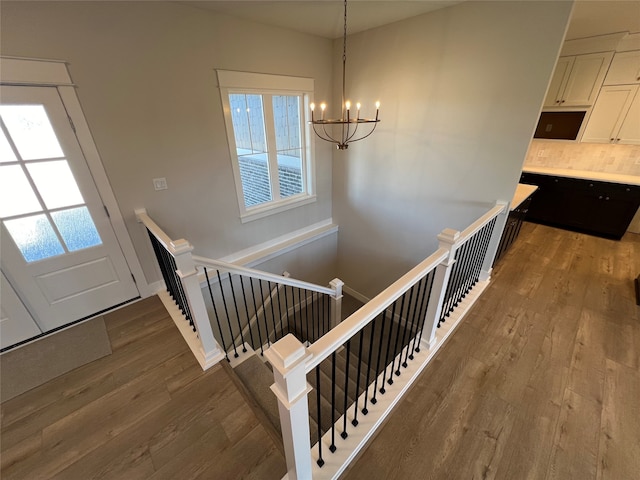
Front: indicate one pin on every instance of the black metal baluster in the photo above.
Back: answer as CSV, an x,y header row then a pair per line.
x,y
447,293
366,386
297,307
255,310
328,317
313,322
332,447
282,317
354,422
424,317
410,318
453,281
235,304
246,307
215,311
386,360
320,461
462,271
406,327
226,310
375,387
306,317
273,313
286,305
346,391
395,345
474,255
421,313
321,314
264,314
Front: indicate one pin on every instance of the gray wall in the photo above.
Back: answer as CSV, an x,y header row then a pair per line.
x,y
146,81
461,90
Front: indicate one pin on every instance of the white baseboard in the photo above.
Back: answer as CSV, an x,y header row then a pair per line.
x,y
355,294
205,359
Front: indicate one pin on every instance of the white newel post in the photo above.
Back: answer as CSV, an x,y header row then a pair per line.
x,y
186,270
494,243
447,239
336,302
288,357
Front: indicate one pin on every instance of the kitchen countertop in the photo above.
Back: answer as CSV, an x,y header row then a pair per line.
x,y
585,175
522,193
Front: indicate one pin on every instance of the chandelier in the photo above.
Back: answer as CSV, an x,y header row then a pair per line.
x,y
348,124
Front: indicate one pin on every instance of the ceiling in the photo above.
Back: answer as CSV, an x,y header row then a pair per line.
x,y
325,17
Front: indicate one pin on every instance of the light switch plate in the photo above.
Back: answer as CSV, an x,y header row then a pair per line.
x,y
160,183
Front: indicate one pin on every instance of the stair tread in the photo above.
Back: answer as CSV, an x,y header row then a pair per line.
x,y
258,378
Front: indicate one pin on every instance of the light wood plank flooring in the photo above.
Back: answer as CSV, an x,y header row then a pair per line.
x,y
145,412
540,381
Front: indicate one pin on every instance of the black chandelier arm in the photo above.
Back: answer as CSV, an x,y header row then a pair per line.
x,y
327,137
362,138
349,137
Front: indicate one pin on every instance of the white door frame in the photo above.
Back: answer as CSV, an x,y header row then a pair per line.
x,y
54,73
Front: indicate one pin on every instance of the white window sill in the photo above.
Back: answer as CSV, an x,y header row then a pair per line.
x,y
272,208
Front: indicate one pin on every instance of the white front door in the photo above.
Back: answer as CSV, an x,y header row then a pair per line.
x,y
59,250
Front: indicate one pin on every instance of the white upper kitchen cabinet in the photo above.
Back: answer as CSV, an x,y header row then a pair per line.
x,y
577,80
624,69
615,117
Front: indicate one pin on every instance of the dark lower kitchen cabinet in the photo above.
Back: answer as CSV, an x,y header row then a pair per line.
x,y
600,208
512,227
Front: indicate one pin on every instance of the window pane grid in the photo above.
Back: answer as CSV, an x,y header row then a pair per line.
x,y
267,128
40,202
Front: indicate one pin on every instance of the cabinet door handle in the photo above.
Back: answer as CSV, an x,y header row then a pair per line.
x,y
617,139
561,101
612,139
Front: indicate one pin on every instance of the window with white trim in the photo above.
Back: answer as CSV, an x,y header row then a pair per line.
x,y
269,140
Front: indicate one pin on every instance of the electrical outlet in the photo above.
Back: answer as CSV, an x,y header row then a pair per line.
x,y
542,153
160,183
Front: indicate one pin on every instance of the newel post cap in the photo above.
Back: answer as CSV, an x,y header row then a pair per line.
x,y
286,354
181,246
448,236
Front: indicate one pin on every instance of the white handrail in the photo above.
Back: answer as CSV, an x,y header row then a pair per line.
x,y
169,244
334,339
269,277
162,237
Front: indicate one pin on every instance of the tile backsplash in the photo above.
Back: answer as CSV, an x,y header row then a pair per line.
x,y
621,159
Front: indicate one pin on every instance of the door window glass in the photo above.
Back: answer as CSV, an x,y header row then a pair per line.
x,y
16,195
31,131
55,183
34,237
77,228
6,154
39,181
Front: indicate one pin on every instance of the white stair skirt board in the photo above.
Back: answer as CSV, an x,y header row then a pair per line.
x,y
188,334
347,449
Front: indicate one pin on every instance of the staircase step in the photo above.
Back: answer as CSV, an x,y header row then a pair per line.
x,y
258,378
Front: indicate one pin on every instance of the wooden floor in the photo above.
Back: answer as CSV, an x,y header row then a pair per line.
x,y
540,381
145,412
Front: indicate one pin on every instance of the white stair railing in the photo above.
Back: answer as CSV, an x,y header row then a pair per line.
x,y
429,301
228,316
183,297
